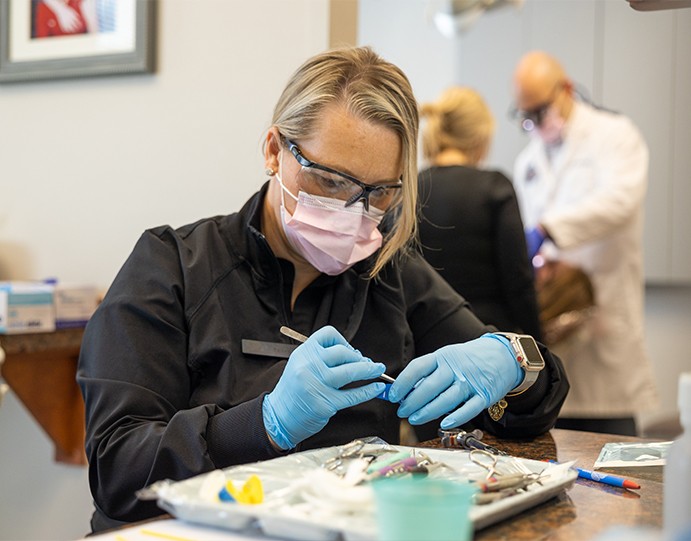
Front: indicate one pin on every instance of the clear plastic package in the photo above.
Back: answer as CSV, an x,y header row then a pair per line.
x,y
627,455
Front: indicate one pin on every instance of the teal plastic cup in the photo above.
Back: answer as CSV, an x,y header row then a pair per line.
x,y
420,508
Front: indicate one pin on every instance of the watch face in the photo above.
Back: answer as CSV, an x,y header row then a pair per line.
x,y
532,352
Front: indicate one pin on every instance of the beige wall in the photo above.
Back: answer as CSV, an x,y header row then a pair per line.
x,y
343,16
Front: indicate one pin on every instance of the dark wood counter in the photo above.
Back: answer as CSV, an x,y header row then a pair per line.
x,y
578,514
40,369
588,507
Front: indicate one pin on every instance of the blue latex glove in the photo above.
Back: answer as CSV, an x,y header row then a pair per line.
x,y
309,391
476,374
534,238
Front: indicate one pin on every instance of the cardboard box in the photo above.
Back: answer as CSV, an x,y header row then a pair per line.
x,y
26,307
74,305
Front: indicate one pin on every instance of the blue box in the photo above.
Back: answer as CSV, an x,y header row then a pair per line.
x,y
26,307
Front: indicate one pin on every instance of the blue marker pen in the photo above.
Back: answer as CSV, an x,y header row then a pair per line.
x,y
604,478
607,479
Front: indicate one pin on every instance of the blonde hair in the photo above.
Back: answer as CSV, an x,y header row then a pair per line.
x,y
374,90
459,119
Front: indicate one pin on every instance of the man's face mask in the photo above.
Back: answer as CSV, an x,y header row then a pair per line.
x,y
551,129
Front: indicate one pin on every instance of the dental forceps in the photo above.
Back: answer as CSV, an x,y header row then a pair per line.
x,y
349,450
287,331
498,485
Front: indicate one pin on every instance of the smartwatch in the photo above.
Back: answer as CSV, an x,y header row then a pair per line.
x,y
528,356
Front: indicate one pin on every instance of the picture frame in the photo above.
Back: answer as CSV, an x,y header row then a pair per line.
x,y
56,39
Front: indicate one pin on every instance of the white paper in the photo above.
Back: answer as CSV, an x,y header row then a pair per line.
x,y
171,530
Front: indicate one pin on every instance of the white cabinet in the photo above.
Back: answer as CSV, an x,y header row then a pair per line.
x,y
680,244
639,66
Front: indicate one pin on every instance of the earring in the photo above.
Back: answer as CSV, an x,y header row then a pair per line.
x,y
269,172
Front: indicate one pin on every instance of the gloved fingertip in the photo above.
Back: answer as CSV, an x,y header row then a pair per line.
x,y
413,419
384,395
447,422
392,399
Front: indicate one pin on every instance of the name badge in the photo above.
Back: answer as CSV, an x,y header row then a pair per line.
x,y
267,349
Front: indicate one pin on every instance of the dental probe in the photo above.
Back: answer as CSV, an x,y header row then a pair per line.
x,y
287,331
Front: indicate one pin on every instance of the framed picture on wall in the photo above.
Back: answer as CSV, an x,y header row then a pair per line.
x,y
50,39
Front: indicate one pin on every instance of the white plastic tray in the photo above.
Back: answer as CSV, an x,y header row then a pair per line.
x,y
294,509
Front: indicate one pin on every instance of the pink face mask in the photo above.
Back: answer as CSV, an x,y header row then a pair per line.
x,y
551,128
329,235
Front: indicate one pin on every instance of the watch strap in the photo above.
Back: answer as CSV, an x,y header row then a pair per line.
x,y
528,381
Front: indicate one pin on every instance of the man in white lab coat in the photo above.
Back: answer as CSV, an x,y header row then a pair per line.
x,y
581,184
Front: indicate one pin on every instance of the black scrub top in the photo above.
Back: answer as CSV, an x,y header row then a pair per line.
x,y
471,232
170,393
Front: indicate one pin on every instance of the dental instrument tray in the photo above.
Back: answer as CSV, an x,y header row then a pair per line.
x,y
326,494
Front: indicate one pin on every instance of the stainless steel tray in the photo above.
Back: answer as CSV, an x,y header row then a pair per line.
x,y
298,506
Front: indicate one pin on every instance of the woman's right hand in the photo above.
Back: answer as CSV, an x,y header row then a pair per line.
x,y
309,392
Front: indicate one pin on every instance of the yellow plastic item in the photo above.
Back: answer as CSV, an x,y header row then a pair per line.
x,y
250,493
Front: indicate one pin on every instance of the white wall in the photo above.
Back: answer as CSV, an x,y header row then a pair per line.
x,y
86,165
631,61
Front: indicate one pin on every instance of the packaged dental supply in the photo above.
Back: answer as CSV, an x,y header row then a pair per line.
x,y
628,455
74,304
26,307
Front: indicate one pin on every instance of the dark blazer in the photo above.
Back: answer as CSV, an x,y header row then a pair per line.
x,y
471,232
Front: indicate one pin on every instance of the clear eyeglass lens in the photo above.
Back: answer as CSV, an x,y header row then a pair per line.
x,y
325,184
322,183
383,198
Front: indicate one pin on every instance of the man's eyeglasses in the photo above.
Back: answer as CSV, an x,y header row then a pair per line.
x,y
532,118
317,179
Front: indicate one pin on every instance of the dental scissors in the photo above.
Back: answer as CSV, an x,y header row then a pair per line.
x,y
486,460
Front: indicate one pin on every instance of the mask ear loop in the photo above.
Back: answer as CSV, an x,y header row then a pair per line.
x,y
286,190
277,174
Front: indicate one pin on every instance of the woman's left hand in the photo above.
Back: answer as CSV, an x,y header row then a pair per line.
x,y
475,374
